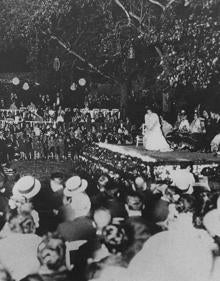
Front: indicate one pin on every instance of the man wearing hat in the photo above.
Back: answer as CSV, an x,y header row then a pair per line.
x,y
46,198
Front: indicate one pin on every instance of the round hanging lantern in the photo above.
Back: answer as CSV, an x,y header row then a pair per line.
x,y
73,87
56,64
15,81
131,53
82,82
26,86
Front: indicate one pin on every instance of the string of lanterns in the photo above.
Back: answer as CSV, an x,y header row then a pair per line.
x,y
16,81
81,82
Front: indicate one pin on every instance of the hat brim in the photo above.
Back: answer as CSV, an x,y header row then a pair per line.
x,y
29,195
202,186
82,188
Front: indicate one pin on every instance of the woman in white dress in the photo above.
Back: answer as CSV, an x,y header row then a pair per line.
x,y
153,138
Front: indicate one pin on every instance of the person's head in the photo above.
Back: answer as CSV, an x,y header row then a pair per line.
x,y
186,166
205,114
102,217
140,184
21,221
51,252
103,182
148,109
134,201
117,237
196,115
56,181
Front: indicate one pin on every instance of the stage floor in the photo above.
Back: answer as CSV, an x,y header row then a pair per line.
x,y
172,157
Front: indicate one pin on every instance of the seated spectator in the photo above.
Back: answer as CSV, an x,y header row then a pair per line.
x,y
197,125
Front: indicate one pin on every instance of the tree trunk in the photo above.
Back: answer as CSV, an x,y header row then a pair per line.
x,y
124,99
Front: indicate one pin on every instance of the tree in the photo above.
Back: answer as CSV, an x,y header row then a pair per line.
x,y
166,42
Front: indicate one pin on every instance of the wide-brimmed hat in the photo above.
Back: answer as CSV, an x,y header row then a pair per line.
x,y
183,181
202,184
27,186
211,221
74,184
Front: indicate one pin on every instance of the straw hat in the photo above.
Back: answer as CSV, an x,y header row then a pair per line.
x,y
74,184
183,180
27,186
203,183
211,221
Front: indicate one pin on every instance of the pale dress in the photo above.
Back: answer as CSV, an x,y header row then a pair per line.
x,y
154,138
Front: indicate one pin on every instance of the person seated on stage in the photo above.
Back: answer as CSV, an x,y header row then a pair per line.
x,y
215,143
180,134
184,123
197,126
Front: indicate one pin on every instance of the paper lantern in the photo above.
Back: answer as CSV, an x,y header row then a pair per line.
x,y
15,81
26,86
56,64
73,87
131,53
82,82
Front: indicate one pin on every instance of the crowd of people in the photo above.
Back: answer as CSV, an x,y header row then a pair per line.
x,y
201,132
100,227
52,132
113,216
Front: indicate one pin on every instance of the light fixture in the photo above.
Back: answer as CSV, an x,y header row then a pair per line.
x,y
15,81
82,82
131,53
73,87
25,86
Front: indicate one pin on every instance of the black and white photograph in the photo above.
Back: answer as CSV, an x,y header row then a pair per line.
x,y
110,140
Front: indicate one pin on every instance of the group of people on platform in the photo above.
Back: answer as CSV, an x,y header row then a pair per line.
x,y
201,134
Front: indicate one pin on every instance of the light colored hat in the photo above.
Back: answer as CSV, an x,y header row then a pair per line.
x,y
81,203
183,180
73,185
211,221
27,186
203,183
140,183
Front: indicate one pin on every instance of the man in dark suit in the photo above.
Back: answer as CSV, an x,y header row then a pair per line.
x,y
48,202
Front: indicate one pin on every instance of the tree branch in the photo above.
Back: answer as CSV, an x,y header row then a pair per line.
x,y
158,4
170,3
62,44
125,11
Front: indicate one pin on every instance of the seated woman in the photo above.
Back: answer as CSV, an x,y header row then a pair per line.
x,y
153,138
197,132
179,136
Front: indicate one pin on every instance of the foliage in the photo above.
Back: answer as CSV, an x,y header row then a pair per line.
x,y
174,42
